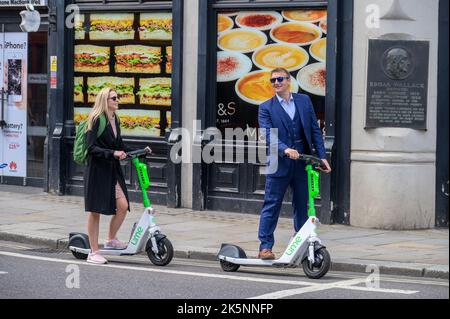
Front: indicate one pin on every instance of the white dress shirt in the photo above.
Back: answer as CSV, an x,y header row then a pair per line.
x,y
289,107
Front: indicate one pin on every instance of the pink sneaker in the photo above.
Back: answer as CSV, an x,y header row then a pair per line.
x,y
96,258
115,244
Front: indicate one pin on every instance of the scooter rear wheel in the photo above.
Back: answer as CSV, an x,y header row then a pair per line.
x,y
165,252
320,266
228,267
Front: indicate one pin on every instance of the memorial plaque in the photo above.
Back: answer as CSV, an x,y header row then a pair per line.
x,y
397,84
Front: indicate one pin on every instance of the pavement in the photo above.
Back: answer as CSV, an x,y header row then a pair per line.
x,y
29,215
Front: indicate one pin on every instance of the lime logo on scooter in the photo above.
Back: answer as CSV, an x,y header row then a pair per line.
x,y
137,235
294,245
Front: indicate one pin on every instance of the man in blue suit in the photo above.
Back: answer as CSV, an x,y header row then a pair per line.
x,y
298,132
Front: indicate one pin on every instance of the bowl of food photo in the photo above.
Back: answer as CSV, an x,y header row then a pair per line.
x,y
241,40
323,25
318,50
312,78
297,33
260,20
287,56
255,88
311,16
224,23
232,66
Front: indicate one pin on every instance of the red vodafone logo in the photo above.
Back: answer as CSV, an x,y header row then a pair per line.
x,y
13,165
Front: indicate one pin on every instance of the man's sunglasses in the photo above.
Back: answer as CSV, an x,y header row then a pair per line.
x,y
115,98
279,79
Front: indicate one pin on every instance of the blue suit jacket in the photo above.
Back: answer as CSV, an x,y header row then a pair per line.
x,y
271,116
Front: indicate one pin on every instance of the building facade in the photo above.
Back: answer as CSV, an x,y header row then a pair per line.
x,y
376,77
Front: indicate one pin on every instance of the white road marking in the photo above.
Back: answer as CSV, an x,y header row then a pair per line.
x,y
390,291
166,271
310,287
347,284
269,271
299,291
3,273
290,271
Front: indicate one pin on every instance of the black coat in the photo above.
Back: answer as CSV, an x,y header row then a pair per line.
x,y
103,170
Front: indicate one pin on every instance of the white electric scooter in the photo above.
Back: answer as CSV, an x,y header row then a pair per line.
x,y
305,247
144,235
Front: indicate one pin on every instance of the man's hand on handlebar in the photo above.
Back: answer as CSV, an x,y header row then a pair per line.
x,y
327,168
148,149
292,154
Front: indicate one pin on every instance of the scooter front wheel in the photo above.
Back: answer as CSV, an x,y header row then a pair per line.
x,y
321,265
165,252
78,242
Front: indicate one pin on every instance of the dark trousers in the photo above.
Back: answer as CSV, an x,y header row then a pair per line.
x,y
275,189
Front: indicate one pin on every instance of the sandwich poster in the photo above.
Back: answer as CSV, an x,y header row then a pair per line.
x,y
252,43
13,137
131,53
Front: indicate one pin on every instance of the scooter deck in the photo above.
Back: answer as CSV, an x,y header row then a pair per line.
x,y
253,261
106,252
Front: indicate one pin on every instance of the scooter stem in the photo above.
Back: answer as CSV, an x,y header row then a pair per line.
x,y
313,189
144,183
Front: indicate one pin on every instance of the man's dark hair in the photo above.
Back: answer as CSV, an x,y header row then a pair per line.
x,y
280,70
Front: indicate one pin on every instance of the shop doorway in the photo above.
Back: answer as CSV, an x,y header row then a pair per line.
x,y
37,105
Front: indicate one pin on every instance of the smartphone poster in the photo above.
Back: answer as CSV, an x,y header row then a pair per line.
x,y
13,137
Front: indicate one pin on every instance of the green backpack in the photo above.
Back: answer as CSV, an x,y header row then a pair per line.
x,y
79,146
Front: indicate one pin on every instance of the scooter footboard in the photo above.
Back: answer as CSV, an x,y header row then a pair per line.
x,y
230,250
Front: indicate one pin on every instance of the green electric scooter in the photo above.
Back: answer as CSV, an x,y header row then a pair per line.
x,y
145,235
304,248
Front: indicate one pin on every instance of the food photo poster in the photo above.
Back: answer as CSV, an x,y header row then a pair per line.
x,y
252,43
132,53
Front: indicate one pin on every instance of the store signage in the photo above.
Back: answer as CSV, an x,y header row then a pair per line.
x,y
397,84
37,78
19,3
31,19
13,136
53,70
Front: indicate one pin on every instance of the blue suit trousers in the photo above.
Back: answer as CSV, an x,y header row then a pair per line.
x,y
275,189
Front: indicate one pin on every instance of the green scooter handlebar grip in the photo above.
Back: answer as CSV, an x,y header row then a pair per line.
x,y
313,188
141,169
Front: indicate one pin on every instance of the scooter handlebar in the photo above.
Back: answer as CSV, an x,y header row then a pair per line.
x,y
314,161
137,153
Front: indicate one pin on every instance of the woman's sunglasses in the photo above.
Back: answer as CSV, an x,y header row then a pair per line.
x,y
114,98
279,79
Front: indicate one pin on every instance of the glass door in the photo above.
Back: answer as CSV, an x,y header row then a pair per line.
x,y
37,104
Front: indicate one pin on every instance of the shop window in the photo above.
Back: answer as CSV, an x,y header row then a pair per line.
x,y
252,43
132,53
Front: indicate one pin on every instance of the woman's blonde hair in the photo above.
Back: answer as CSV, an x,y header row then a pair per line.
x,y
100,107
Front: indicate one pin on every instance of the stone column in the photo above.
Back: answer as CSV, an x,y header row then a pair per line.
x,y
393,169
189,112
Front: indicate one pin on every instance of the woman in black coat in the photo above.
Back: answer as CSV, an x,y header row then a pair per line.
x,y
105,192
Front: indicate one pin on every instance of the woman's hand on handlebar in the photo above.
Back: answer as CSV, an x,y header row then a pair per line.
x,y
327,168
120,155
148,149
